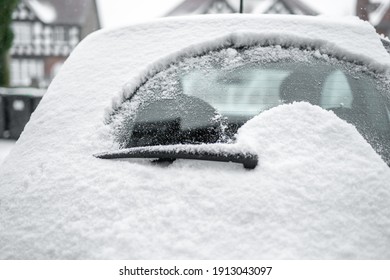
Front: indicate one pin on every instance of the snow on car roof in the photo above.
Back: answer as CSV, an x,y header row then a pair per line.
x,y
320,190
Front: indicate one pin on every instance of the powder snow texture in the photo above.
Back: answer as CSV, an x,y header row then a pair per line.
x,y
320,191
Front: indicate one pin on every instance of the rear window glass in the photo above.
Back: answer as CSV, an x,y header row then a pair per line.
x,y
205,99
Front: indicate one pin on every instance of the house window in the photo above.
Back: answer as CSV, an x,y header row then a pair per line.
x,y
48,36
74,36
15,72
37,33
24,71
22,33
59,34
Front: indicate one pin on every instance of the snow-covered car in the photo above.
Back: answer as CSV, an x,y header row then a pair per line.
x,y
234,136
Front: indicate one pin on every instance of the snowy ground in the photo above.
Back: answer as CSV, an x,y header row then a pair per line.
x,y
5,148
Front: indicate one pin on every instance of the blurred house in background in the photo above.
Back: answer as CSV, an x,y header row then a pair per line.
x,y
46,31
377,12
188,7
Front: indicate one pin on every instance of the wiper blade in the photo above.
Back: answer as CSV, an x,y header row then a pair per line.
x,y
209,152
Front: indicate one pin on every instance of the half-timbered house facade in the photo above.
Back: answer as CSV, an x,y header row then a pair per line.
x,y
45,32
188,7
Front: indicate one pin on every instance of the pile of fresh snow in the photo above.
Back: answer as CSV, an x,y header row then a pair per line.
x,y
319,191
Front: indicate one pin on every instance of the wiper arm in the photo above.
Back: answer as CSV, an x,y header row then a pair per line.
x,y
209,152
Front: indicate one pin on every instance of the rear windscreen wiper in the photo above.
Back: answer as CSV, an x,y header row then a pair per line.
x,y
169,153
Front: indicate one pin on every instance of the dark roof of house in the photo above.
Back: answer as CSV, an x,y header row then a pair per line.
x,y
66,11
191,6
297,4
200,6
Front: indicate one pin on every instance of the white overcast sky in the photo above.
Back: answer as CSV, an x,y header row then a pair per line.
x,y
116,13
